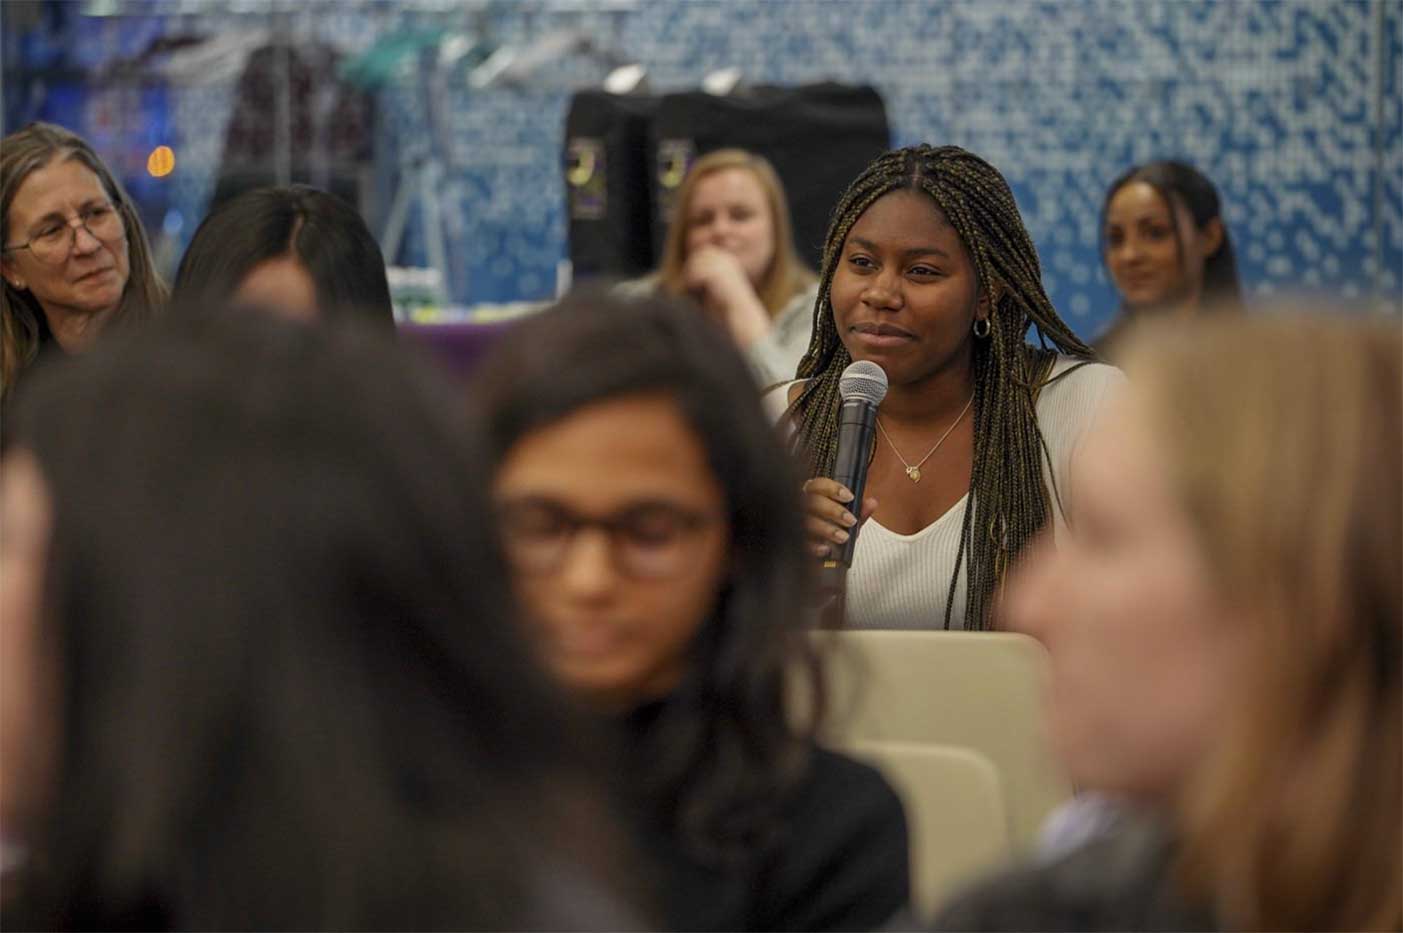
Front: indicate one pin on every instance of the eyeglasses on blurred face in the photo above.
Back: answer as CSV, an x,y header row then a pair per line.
x,y
648,541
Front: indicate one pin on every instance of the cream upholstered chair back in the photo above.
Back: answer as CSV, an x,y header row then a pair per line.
x,y
976,690
955,813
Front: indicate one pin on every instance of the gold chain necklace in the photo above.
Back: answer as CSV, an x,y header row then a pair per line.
x,y
913,472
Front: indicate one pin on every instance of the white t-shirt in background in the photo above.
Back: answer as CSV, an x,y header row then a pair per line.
x,y
774,357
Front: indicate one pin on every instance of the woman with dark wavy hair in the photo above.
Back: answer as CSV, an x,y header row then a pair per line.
x,y
650,520
1166,246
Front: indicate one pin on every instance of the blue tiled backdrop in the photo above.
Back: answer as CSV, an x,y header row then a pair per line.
x,y
1292,106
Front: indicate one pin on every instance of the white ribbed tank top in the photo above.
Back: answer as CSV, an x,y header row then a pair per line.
x,y
902,581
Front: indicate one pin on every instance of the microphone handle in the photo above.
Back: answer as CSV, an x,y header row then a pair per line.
x,y
857,431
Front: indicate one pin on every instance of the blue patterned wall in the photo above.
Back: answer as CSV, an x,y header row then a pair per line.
x,y
1278,101
1291,106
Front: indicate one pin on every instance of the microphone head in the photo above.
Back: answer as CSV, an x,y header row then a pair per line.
x,y
864,381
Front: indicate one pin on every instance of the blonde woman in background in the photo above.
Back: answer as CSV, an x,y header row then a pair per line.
x,y
1225,638
731,248
75,256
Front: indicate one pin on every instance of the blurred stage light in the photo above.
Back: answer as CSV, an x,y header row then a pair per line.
x,y
161,161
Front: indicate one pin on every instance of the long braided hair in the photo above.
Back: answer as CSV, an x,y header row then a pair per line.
x,y
1009,502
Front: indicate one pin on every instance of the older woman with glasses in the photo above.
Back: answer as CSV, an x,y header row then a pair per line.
x,y
655,541
75,256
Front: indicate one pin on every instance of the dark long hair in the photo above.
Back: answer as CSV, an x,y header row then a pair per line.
x,y
321,231
1179,183
22,319
725,748
293,695
1009,500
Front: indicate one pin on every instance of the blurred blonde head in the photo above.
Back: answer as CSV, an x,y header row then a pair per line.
x,y
1282,436
786,275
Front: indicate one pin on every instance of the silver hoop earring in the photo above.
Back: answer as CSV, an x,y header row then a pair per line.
x,y
982,332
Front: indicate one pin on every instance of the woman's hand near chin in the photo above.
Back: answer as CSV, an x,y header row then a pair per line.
x,y
718,280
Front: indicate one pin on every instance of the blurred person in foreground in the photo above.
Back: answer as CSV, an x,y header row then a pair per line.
x,y
75,256
260,669
652,526
1225,638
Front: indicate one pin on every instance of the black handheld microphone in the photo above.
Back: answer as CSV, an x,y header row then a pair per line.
x,y
862,387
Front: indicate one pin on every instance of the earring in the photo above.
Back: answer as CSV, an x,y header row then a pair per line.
x,y
982,332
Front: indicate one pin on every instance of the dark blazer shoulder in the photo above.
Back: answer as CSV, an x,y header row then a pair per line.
x,y
1119,881
844,860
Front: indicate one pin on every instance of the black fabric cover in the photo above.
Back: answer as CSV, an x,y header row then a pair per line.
x,y
817,136
625,157
608,200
